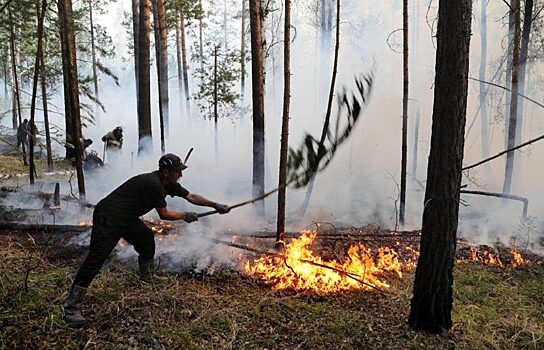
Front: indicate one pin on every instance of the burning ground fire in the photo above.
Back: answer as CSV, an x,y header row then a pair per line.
x,y
301,269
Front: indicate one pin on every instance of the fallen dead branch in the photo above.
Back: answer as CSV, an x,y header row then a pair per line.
x,y
524,200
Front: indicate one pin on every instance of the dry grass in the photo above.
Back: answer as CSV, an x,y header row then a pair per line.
x,y
494,309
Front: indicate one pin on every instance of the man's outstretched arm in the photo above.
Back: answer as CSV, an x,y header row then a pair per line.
x,y
198,199
171,215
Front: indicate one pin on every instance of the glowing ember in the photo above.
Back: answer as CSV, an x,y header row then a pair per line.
x,y
298,269
510,258
159,227
85,223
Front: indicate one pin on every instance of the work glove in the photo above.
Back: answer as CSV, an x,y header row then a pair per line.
x,y
190,216
221,208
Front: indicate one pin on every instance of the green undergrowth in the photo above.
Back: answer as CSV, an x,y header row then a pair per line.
x,y
493,309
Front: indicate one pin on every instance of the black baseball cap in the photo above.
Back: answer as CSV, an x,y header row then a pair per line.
x,y
171,162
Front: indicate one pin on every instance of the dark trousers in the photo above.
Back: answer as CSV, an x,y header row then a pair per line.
x,y
104,237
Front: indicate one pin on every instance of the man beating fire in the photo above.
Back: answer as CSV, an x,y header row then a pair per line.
x,y
117,216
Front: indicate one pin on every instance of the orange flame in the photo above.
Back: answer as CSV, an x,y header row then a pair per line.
x,y
298,268
85,223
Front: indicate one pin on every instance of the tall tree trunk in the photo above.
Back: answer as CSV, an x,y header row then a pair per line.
x,y
68,120
508,172
136,42
433,285
263,12
309,191
483,64
8,73
93,55
183,67
46,114
280,233
32,136
508,85
215,101
70,63
243,50
14,63
524,50
144,103
404,113
257,73
161,54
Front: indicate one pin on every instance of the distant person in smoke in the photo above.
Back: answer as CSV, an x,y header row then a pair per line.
x,y
117,216
114,139
22,134
92,161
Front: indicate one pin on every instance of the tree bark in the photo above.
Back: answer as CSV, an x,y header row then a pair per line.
x,y
433,285
46,114
70,152
508,171
257,72
162,73
509,56
93,55
136,42
483,64
243,49
70,63
524,50
404,147
32,136
161,49
280,229
144,104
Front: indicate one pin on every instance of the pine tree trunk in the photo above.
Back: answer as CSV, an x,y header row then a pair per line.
x,y
404,148
508,85
8,74
144,103
524,50
483,64
69,60
32,136
136,42
508,172
280,232
257,72
46,114
185,65
93,55
243,50
14,64
162,66
433,285
69,127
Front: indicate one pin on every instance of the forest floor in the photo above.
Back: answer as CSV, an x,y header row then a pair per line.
x,y
494,307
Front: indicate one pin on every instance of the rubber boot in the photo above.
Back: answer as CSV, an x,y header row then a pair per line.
x,y
72,313
147,272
